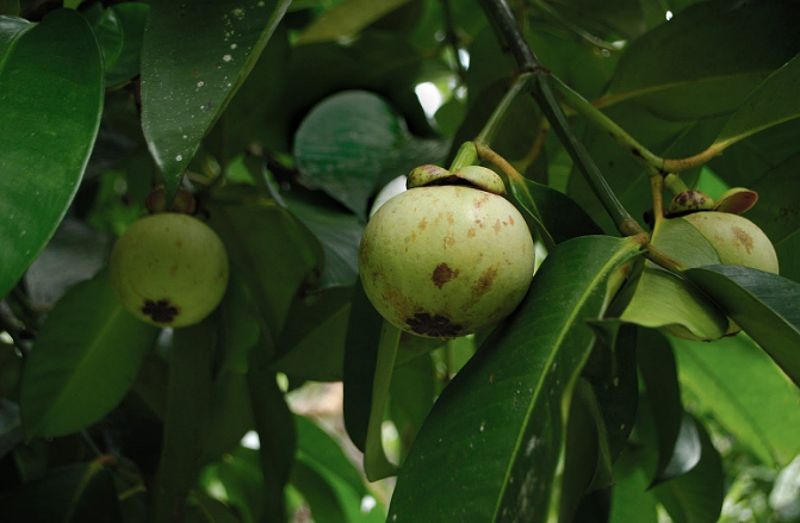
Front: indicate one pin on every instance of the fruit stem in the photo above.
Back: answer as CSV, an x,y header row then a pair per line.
x,y
466,155
657,190
495,121
505,25
674,183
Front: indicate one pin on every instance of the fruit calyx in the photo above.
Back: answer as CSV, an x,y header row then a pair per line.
x,y
471,175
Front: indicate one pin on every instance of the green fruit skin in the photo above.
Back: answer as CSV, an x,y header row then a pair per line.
x,y
443,261
169,270
737,240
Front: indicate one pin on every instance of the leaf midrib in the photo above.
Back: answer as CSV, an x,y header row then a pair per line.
x,y
565,329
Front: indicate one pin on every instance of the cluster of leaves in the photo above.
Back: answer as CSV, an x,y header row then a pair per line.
x,y
285,119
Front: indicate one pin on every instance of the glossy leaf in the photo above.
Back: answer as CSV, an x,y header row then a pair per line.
x,y
630,499
411,397
376,463
74,376
194,58
745,391
11,28
507,404
771,103
766,306
741,45
346,19
51,90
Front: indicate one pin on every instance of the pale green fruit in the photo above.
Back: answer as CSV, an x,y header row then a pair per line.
x,y
443,261
737,240
169,269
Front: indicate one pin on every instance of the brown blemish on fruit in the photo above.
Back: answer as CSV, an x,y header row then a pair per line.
x,y
423,224
497,226
437,326
743,238
471,232
510,220
481,200
479,223
443,274
484,283
161,311
449,241
450,218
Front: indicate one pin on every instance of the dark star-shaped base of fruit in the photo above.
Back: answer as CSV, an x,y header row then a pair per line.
x,y
437,326
161,311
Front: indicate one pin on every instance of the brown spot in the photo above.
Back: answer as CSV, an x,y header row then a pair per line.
x,y
497,227
436,326
471,232
481,200
743,238
449,241
510,220
422,224
484,282
443,274
479,223
450,218
161,311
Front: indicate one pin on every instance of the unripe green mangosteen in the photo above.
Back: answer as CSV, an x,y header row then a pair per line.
x,y
737,240
169,269
449,255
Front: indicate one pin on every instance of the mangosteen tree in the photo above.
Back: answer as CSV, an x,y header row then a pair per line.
x,y
418,260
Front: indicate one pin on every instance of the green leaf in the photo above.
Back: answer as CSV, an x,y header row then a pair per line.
x,y
10,426
51,90
361,356
347,18
131,17
188,397
314,336
276,433
696,497
766,306
779,213
771,103
745,391
411,397
108,32
194,58
9,7
271,251
229,415
75,376
352,142
556,214
630,499
664,299
491,445
11,28
741,44
660,378
80,492
338,232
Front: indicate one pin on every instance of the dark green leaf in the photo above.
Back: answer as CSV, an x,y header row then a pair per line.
x,y
10,426
742,388
229,415
314,336
269,249
697,495
188,396
346,19
771,103
75,493
361,356
51,90
277,436
631,501
194,58
495,435
660,377
766,306
75,376
741,45
411,397
11,28
131,17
